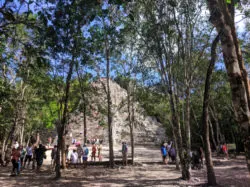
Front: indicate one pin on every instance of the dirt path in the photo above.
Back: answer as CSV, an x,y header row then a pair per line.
x,y
147,172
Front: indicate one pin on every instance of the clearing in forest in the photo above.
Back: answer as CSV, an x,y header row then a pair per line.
x,y
148,171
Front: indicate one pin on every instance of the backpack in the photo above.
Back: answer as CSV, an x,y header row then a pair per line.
x,y
86,151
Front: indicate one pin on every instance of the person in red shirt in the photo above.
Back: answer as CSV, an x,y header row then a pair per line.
x,y
93,156
224,150
15,155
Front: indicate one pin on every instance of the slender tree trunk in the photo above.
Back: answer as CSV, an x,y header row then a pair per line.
x,y
212,133
208,155
59,145
109,102
3,148
12,131
62,123
131,119
177,159
84,107
84,121
133,124
187,120
63,147
182,154
197,124
22,132
215,117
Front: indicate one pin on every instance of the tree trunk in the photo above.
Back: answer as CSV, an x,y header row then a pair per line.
x,y
177,159
12,131
109,102
131,118
187,120
208,155
182,154
22,132
61,125
218,132
133,124
222,19
84,107
63,147
3,148
212,133
132,142
59,145
84,122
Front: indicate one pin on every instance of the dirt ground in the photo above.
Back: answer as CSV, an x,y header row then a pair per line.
x,y
148,171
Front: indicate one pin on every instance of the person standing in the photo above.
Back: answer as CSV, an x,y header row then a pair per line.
x,y
124,153
29,153
172,153
164,153
40,155
79,153
224,150
85,155
93,152
23,153
15,155
168,147
100,152
74,157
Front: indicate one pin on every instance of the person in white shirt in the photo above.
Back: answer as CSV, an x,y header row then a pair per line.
x,y
29,154
74,157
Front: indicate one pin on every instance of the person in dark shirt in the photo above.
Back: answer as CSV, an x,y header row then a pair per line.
x,y
40,155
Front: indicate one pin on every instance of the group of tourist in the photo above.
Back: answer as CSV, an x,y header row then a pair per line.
x,y
20,156
79,154
168,150
197,155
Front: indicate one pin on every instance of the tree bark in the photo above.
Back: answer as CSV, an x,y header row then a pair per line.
x,y
80,79
63,153
177,159
109,102
84,121
3,148
187,120
22,132
177,129
183,155
208,155
12,131
131,118
59,145
218,132
223,20
62,123
212,133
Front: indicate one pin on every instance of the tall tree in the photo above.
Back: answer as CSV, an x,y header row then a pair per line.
x,y
222,17
208,154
